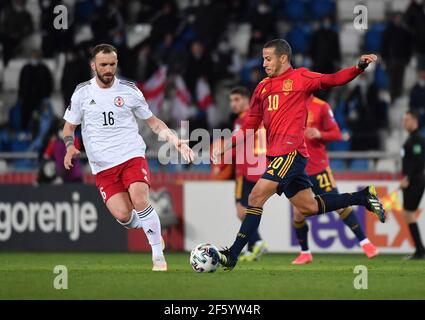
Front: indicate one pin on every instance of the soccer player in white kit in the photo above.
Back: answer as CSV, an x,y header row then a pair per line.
x,y
106,108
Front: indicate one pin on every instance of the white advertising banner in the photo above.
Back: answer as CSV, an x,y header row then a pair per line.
x,y
210,216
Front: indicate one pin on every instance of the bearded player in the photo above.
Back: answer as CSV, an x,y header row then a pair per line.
x,y
321,128
107,107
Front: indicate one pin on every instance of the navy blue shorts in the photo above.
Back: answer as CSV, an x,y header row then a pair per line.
x,y
324,182
289,171
243,189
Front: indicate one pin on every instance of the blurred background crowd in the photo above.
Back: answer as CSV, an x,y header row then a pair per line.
x,y
186,55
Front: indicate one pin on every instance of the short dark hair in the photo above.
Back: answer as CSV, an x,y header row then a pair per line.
x,y
281,47
414,114
243,91
104,48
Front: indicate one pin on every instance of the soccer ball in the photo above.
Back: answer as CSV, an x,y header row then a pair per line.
x,y
202,258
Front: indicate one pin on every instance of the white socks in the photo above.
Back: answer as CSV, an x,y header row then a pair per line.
x,y
147,220
152,227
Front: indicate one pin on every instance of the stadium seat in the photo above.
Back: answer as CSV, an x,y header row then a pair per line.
x,y
399,5
376,10
359,165
299,38
373,37
337,165
11,74
321,8
239,37
386,165
345,9
381,77
349,39
295,10
15,115
245,73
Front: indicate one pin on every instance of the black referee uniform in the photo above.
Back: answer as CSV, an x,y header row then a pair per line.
x,y
413,169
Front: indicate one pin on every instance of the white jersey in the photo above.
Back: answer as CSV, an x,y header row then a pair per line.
x,y
108,124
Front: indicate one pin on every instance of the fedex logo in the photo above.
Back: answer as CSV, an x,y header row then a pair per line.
x,y
328,231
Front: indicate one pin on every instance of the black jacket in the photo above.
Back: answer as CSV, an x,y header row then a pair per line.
x,y
414,157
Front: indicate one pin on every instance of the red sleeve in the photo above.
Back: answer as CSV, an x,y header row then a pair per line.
x,y
315,81
48,152
331,131
253,119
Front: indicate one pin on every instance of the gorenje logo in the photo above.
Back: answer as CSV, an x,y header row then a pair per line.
x,y
48,217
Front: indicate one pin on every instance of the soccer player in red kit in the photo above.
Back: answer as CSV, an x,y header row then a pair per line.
x,y
247,171
280,102
322,127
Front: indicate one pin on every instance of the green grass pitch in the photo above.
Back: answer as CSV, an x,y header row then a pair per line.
x,y
128,276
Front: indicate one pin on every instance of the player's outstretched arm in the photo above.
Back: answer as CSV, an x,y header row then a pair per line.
x,y
68,139
162,130
341,77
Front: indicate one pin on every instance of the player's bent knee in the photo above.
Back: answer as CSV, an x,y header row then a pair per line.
x,y
256,199
308,209
298,216
140,203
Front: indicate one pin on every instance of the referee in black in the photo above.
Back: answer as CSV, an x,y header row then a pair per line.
x,y
413,183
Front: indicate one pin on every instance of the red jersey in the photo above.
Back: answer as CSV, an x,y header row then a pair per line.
x,y
250,163
320,116
281,104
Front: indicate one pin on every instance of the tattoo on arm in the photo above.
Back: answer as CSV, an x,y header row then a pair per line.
x,y
69,141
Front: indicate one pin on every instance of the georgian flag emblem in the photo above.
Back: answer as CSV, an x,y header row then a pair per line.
x,y
118,101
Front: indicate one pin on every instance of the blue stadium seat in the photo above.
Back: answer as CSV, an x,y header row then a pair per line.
x,y
245,72
373,37
20,143
381,77
321,8
4,141
359,165
153,165
299,38
15,115
295,10
337,165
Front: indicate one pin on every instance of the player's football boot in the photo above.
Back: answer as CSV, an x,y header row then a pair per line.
x,y
245,256
303,258
257,250
159,264
415,256
370,250
373,203
227,261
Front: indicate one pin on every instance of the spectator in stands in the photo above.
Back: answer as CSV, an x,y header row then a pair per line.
x,y
417,97
365,114
165,20
199,64
75,71
325,50
107,23
415,17
263,27
35,85
51,165
15,25
226,61
53,40
397,46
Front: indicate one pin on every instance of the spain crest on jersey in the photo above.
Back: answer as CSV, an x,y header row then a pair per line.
x,y
118,101
287,86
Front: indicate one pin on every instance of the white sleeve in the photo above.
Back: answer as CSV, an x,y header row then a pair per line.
x,y
141,107
73,112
